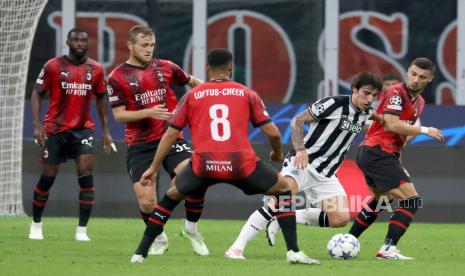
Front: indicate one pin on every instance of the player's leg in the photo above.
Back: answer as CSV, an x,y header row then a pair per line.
x,y
265,179
186,183
285,215
329,197
256,222
138,159
84,166
409,202
52,156
371,160
370,212
82,151
386,172
174,162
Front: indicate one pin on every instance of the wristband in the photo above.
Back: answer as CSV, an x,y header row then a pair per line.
x,y
424,130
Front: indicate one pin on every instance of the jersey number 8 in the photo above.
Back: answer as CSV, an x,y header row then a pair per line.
x,y
220,118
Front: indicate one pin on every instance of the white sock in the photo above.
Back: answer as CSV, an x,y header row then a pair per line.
x,y
251,228
81,229
162,237
190,226
310,216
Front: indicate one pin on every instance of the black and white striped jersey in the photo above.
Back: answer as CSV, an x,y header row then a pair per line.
x,y
338,121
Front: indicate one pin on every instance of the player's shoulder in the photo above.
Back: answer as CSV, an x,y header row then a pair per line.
x,y
54,61
335,100
164,62
118,71
93,63
398,89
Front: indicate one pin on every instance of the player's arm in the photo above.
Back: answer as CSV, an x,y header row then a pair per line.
x,y
101,101
169,139
392,123
274,138
194,81
36,103
159,112
297,136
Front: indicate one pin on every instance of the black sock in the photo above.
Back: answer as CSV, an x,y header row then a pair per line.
x,y
285,214
40,196
86,198
157,220
323,219
145,216
194,207
366,217
401,219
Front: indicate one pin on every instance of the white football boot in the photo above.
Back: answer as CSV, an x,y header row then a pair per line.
x,y
234,254
197,243
300,258
81,234
137,259
390,252
35,231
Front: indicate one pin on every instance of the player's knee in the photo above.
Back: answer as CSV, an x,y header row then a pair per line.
x,y
339,219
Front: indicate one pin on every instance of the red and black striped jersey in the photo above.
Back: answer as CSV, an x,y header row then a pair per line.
x,y
70,87
138,88
396,101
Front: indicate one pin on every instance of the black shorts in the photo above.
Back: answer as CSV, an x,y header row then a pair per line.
x,y
382,170
258,182
67,145
140,156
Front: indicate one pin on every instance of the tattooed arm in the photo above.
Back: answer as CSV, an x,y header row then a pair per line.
x,y
297,135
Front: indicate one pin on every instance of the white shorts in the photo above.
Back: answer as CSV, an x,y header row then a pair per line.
x,y
316,186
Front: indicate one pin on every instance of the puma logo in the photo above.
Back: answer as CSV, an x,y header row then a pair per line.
x,y
66,74
134,84
160,216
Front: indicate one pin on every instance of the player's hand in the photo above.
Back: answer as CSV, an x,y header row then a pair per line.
x,y
301,159
276,156
108,145
159,112
149,177
39,135
377,117
436,134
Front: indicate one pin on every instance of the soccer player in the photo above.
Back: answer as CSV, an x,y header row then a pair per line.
x,y
313,160
141,96
378,156
218,113
70,81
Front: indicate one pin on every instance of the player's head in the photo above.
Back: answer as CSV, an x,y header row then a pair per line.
x,y
141,43
365,89
419,74
219,62
78,42
389,79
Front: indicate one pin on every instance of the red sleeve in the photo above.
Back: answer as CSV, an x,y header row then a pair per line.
x,y
181,113
393,102
116,93
179,76
45,78
100,84
258,114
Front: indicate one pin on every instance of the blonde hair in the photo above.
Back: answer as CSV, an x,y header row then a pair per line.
x,y
139,29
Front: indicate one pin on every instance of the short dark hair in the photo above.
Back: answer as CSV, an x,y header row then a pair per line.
x,y
139,29
219,58
424,63
367,78
391,76
76,30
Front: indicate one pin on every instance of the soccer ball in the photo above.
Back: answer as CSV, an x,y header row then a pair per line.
x,y
343,247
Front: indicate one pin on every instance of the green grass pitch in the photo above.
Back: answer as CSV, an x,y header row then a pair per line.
x,y
438,249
